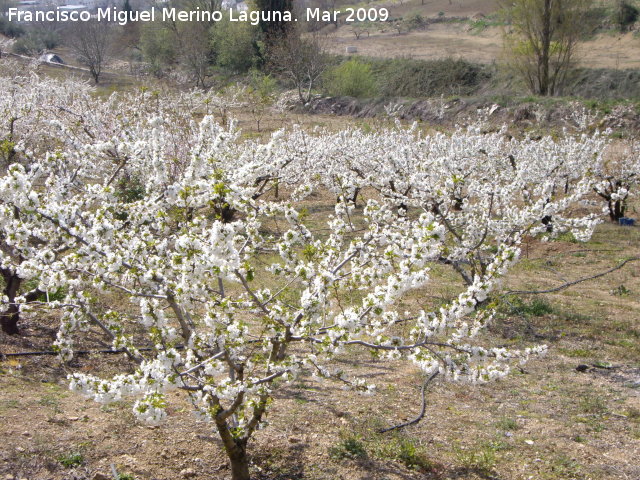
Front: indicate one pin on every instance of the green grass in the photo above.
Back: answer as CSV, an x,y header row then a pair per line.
x,y
576,352
506,423
537,307
480,458
126,476
71,460
349,446
404,450
494,20
593,404
52,401
10,404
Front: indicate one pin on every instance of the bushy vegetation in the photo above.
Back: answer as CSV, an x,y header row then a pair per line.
x,y
396,447
35,42
353,78
626,14
603,83
419,78
71,460
157,48
235,46
10,29
362,78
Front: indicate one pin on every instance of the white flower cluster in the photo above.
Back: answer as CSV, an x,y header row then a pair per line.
x,y
136,199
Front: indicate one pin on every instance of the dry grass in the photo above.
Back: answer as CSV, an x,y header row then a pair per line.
x,y
459,40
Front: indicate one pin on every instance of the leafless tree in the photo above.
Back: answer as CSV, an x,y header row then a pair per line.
x,y
91,43
195,54
301,59
541,44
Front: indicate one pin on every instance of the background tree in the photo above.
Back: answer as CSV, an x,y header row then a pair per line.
x,y
626,14
352,78
157,45
193,41
301,59
10,29
260,95
274,30
130,37
234,44
91,43
195,54
541,43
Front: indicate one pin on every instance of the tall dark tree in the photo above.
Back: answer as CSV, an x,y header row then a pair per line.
x,y
274,29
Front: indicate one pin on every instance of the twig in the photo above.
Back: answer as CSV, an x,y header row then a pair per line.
x,y
423,409
79,352
574,282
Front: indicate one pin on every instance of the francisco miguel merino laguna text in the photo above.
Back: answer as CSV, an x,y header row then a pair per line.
x,y
122,17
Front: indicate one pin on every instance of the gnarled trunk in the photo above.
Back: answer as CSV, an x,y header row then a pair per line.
x,y
616,210
9,319
239,462
547,221
236,449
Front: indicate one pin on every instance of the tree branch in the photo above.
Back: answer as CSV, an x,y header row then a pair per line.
x,y
423,409
572,283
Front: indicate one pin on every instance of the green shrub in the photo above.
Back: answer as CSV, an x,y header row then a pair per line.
x,y
409,452
415,20
130,189
480,459
420,78
10,29
350,446
158,47
26,45
507,424
49,40
71,460
537,307
234,44
35,42
353,79
626,15
592,403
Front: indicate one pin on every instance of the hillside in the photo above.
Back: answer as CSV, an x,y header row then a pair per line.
x,y
474,37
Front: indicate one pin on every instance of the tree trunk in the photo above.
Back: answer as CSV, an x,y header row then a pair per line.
x,y
239,463
543,66
616,210
354,199
10,318
236,449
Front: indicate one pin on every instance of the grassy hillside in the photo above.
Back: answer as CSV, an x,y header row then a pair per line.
x,y
474,33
